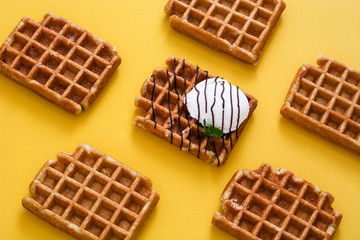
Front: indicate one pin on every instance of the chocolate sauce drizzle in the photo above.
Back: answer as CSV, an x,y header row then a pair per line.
x,y
223,113
198,104
217,157
178,103
171,127
238,106
223,143
186,113
206,79
231,116
207,142
212,106
152,100
223,106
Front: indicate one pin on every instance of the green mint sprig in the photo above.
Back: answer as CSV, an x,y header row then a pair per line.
x,y
211,130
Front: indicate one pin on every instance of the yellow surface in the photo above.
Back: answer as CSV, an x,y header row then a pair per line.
x,y
33,130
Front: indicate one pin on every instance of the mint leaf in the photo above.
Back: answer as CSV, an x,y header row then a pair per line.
x,y
211,130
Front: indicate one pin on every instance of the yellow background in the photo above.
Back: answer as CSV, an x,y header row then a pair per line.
x,y
33,130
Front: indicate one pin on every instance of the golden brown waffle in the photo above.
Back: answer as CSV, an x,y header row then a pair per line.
x,y
325,101
274,204
237,27
58,60
91,196
162,98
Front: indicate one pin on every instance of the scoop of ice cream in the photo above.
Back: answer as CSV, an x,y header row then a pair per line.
x,y
219,103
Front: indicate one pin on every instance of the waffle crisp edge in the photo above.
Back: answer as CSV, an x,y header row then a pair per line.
x,y
306,122
31,204
266,171
252,57
74,104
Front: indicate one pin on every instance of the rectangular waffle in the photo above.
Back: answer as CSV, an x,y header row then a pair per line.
x,y
274,204
325,101
91,196
162,99
58,60
237,27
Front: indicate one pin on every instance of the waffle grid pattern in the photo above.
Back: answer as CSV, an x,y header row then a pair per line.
x,y
274,204
327,96
91,196
240,27
172,120
59,60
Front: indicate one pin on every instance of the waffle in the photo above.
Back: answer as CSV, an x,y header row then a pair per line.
x,y
274,204
164,102
325,101
58,60
237,27
91,196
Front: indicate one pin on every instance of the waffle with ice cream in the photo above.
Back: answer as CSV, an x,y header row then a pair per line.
x,y
91,196
194,110
324,99
239,28
58,60
274,204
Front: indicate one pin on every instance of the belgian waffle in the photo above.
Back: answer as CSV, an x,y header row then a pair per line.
x,y
58,60
166,115
274,204
91,196
237,27
325,101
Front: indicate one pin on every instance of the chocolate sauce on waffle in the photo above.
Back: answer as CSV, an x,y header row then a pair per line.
x,y
231,116
238,106
171,124
206,79
217,157
212,106
186,113
223,106
178,103
152,101
209,140
198,104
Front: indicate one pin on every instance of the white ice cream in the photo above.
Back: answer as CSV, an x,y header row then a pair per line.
x,y
202,97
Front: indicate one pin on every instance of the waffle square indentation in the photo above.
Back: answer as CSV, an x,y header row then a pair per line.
x,y
105,210
290,214
58,205
72,33
79,174
55,24
28,28
276,216
125,220
34,51
24,66
45,37
42,75
59,85
95,226
202,5
247,222
52,61
88,43
116,193
76,216
87,200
